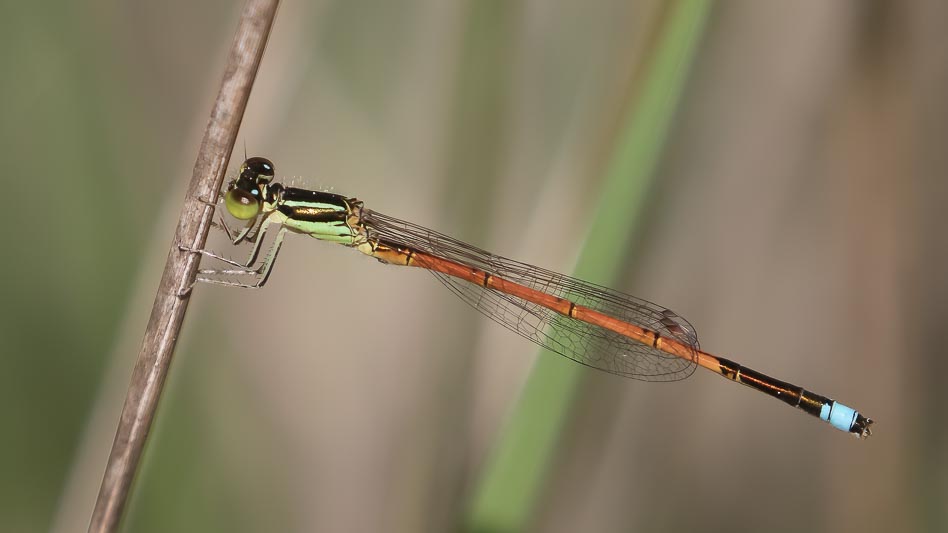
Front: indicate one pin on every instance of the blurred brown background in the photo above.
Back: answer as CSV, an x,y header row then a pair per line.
x,y
796,220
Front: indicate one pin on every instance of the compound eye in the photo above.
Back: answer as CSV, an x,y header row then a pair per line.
x,y
257,169
241,204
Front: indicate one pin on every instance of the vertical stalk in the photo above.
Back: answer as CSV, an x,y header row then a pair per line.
x,y
171,301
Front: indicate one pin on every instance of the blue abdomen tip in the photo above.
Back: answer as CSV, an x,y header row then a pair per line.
x,y
840,416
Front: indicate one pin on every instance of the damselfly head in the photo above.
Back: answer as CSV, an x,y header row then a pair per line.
x,y
245,194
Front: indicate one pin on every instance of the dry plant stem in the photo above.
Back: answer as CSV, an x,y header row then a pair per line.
x,y
171,302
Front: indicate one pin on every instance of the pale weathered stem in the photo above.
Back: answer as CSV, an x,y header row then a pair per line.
x,y
171,301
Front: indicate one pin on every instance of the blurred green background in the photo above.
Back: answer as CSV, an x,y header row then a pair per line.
x,y
793,215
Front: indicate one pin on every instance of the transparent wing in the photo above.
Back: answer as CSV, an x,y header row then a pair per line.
x,y
580,341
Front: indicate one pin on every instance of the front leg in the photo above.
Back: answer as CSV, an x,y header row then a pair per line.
x,y
254,252
260,275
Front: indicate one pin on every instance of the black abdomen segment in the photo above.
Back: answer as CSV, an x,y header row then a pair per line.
x,y
827,409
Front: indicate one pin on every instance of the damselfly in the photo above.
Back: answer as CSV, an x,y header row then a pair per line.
x,y
590,324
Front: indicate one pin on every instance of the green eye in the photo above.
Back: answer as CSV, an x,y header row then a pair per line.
x,y
241,204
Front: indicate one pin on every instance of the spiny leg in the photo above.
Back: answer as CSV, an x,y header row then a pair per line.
x,y
254,252
243,235
267,265
246,233
220,223
243,269
261,273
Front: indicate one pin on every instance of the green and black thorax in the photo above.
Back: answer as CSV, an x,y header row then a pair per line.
x,y
322,215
